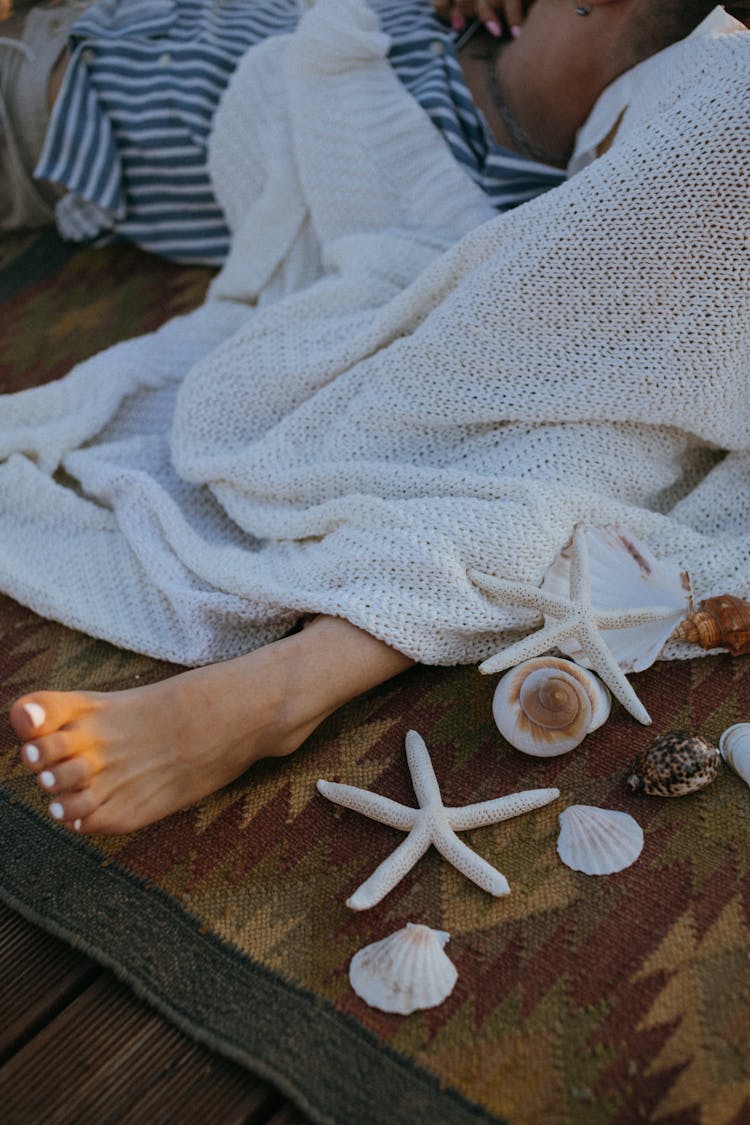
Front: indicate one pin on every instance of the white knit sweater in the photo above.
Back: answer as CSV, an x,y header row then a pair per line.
x,y
384,389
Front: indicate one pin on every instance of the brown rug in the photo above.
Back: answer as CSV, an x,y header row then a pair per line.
x,y
579,999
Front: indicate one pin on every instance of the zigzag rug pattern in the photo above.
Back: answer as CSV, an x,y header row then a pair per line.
x,y
579,999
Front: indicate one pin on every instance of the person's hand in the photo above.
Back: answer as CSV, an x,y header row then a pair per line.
x,y
492,13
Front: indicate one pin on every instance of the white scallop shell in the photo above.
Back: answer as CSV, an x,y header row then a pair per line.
x,y
625,575
547,739
734,747
598,841
405,971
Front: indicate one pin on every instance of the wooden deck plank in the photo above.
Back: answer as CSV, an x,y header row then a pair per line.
x,y
107,1059
78,1046
38,977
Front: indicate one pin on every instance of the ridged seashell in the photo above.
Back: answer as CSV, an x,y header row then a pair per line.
x,y
405,971
734,747
547,705
720,622
598,841
674,765
625,575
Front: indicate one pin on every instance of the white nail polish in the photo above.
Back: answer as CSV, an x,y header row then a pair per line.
x,y
47,778
36,714
56,810
77,825
31,754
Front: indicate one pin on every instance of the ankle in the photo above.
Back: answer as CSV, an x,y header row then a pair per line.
x,y
298,696
331,662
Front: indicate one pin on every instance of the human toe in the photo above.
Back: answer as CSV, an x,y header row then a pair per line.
x,y
44,712
46,753
74,773
70,807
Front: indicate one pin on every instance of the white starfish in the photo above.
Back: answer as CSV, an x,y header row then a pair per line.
x,y
431,823
575,618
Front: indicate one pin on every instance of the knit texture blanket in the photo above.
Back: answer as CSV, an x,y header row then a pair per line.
x,y
580,999
385,389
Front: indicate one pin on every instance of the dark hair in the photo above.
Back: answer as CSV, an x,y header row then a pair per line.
x,y
670,20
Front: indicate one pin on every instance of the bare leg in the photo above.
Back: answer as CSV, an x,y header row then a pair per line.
x,y
118,761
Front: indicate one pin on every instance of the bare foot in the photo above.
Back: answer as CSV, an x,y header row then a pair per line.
x,y
115,762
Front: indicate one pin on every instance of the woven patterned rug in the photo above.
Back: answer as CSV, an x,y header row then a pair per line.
x,y
579,999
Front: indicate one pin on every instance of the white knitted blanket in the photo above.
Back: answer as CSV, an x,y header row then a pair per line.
x,y
384,389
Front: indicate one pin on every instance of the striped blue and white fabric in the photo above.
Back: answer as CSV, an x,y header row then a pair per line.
x,y
129,131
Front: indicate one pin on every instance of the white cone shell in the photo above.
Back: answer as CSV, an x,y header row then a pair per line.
x,y
625,575
539,741
598,841
734,747
404,972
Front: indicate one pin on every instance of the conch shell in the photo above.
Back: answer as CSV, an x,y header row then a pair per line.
x,y
734,747
720,622
548,705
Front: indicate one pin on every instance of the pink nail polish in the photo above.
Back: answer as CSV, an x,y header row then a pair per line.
x,y
457,22
515,30
494,28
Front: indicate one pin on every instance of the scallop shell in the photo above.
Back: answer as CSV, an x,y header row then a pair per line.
x,y
721,622
674,765
405,971
598,841
547,705
624,575
734,747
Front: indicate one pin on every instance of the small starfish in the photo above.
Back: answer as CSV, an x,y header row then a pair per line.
x,y
431,823
575,618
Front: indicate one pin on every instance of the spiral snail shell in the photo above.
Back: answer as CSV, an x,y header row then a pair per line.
x,y
721,622
548,705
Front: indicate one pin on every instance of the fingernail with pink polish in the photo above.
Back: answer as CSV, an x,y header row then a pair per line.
x,y
494,28
31,754
56,810
515,30
458,23
36,714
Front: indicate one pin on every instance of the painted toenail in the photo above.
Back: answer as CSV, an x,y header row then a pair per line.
x,y
31,753
47,778
56,810
77,825
36,714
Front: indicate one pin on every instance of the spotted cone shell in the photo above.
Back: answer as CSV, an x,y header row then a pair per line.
x,y
675,765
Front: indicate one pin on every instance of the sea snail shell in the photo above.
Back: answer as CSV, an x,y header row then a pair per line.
x,y
721,622
674,765
546,706
734,747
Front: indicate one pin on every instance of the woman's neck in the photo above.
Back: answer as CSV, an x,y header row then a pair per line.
x,y
536,91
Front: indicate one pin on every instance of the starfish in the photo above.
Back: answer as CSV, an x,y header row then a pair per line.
x,y
431,823
573,617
